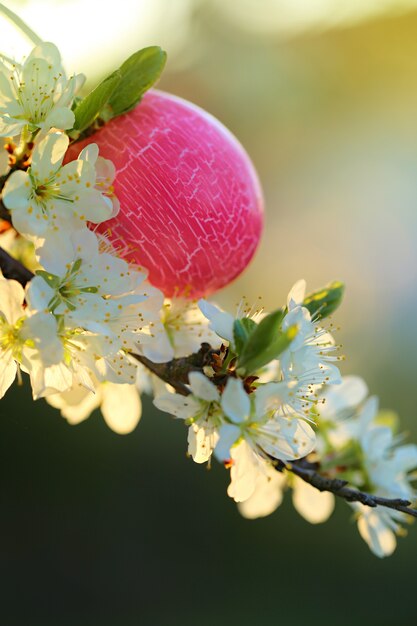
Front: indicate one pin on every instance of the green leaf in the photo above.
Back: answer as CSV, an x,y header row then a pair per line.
x,y
89,108
242,330
325,301
266,342
52,280
139,72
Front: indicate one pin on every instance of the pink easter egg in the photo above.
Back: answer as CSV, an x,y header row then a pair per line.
x,y
191,203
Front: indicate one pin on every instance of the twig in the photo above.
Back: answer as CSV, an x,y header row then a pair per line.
x,y
175,372
306,472
4,213
12,268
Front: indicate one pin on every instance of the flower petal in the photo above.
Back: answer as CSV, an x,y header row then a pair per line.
x,y
235,401
267,496
202,387
121,407
296,294
8,369
183,407
228,435
220,322
314,505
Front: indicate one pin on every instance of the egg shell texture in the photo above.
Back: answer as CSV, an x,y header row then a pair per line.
x,y
191,204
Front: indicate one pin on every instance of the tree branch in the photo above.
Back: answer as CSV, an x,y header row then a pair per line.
x,y
4,213
12,268
305,470
175,372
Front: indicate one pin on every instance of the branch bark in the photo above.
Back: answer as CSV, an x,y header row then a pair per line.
x,y
4,213
12,268
306,472
175,373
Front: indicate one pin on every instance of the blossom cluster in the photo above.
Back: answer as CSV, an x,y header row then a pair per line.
x,y
75,325
269,391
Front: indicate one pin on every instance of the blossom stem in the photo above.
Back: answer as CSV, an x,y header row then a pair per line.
x,y
21,25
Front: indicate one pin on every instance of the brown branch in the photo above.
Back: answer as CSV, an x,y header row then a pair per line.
x,y
306,472
4,213
12,268
175,372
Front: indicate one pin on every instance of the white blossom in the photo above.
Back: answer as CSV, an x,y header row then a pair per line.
x,y
379,527
222,322
37,94
260,419
201,410
120,404
268,491
105,175
314,505
24,339
80,282
310,357
179,332
51,196
387,466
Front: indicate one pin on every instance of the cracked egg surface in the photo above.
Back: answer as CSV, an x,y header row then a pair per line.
x,y
191,204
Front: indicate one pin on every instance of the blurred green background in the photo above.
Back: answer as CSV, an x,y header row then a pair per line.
x,y
98,529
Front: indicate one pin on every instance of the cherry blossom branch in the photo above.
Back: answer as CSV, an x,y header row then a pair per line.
x,y
175,372
305,470
12,268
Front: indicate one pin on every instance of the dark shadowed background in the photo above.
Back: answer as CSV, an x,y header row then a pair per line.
x,y
99,529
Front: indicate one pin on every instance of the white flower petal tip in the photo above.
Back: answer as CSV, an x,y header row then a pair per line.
x,y
220,321
315,506
235,401
201,387
297,294
267,496
378,528
121,407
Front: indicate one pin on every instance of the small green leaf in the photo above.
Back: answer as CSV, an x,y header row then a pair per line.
x,y
242,329
325,301
52,280
266,342
139,72
89,108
